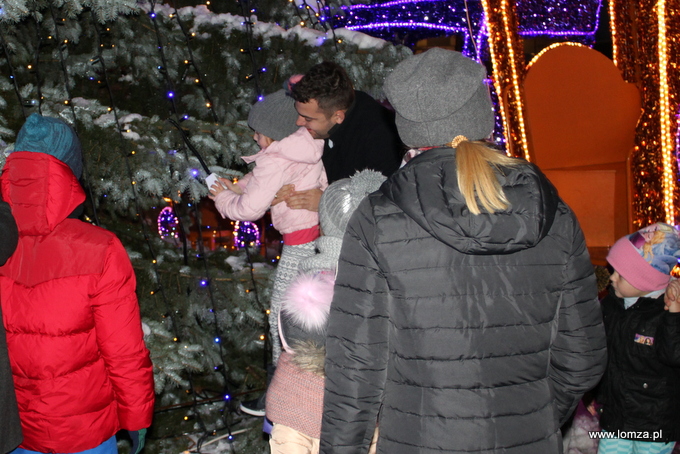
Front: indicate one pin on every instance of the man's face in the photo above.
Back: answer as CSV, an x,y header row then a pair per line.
x,y
315,120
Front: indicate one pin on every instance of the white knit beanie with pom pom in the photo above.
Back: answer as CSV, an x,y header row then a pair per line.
x,y
307,301
337,205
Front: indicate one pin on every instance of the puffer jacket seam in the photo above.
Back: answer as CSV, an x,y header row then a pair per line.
x,y
70,415
54,377
471,388
486,450
469,418
41,334
470,358
463,295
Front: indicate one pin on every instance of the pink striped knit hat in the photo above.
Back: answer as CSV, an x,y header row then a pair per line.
x,y
646,258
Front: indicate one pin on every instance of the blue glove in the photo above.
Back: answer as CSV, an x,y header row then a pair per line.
x,y
137,437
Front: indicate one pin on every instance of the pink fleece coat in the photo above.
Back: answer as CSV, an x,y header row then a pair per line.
x,y
296,160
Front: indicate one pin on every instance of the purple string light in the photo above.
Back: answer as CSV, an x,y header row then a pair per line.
x,y
575,19
246,233
168,223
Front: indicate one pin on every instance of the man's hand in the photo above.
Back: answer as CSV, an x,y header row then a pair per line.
x,y
298,200
305,200
284,193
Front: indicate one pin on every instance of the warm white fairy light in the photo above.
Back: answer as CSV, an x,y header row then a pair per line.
x,y
552,46
612,26
496,69
665,115
511,61
515,78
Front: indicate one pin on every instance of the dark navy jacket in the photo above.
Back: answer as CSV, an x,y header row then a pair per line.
x,y
640,390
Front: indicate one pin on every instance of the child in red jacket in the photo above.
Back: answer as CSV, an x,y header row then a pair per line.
x,y
74,334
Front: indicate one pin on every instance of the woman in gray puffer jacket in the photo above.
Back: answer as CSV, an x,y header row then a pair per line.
x,y
465,316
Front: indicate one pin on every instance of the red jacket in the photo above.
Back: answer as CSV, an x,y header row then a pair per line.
x,y
80,366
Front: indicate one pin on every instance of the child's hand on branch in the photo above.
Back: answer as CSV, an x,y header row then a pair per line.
x,y
215,189
224,184
233,187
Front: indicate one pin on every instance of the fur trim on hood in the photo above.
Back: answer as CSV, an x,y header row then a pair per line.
x,y
309,356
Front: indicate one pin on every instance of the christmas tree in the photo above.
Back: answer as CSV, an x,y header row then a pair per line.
x,y
158,95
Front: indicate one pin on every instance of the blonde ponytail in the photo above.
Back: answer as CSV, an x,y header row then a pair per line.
x,y
476,177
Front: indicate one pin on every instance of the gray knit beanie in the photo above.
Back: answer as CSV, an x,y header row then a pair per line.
x,y
274,116
51,136
336,206
438,95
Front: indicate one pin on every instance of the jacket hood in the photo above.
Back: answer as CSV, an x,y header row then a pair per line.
x,y
42,191
297,147
427,191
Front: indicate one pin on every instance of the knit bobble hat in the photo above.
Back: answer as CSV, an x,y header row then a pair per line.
x,y
646,258
51,136
307,302
274,116
438,95
336,206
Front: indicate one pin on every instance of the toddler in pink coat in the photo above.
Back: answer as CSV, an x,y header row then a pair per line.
x,y
288,155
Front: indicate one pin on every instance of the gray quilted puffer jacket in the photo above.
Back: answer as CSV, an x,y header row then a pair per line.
x,y
459,333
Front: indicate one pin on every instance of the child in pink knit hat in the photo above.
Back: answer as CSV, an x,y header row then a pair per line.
x,y
639,395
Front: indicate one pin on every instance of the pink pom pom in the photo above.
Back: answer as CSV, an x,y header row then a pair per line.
x,y
308,300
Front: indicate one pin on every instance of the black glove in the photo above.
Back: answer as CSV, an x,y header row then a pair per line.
x,y
137,437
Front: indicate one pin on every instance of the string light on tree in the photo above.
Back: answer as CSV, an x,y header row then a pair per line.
x,y
168,223
246,234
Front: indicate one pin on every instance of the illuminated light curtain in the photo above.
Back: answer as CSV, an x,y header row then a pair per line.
x,y
575,20
646,36
419,19
507,57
